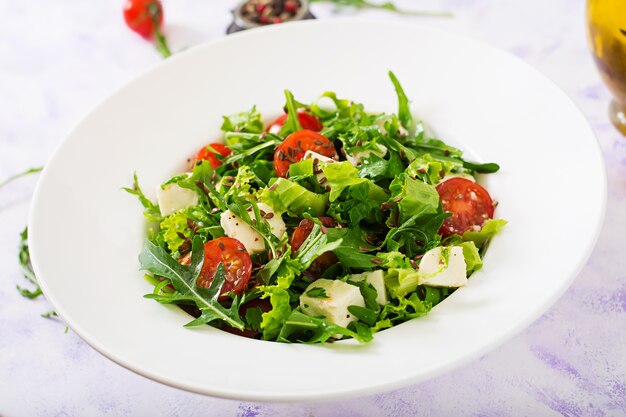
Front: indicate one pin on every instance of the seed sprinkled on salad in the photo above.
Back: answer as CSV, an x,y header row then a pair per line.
x,y
327,223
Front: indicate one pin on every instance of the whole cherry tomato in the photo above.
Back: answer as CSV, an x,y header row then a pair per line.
x,y
143,16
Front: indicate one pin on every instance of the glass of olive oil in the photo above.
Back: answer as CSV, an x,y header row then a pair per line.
x,y
606,29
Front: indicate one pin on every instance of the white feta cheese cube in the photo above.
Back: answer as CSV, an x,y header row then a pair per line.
x,y
458,175
173,198
356,158
276,222
321,178
332,303
435,271
236,228
377,280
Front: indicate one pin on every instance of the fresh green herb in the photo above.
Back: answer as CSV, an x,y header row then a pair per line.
x,y
317,292
292,124
246,122
20,175
151,210
27,268
389,6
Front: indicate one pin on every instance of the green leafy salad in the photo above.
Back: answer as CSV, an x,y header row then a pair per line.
x,y
330,222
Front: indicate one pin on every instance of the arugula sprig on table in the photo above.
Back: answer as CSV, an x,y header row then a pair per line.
x,y
389,6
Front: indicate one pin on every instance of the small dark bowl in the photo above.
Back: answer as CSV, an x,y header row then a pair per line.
x,y
241,23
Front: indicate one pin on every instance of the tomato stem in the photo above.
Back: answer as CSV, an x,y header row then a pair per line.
x,y
155,11
161,43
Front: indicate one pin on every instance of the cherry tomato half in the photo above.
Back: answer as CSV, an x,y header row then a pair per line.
x,y
307,121
207,154
470,204
293,148
141,16
235,258
299,235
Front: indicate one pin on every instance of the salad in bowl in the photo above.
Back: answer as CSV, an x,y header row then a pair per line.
x,y
330,222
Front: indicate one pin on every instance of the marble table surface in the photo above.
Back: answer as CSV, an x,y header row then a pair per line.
x,y
59,59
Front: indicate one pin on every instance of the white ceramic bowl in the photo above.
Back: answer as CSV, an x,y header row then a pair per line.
x,y
86,233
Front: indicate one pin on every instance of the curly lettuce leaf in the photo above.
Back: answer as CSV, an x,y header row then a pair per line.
x,y
248,122
287,196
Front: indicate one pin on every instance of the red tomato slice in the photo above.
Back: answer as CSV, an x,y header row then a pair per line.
x,y
207,154
138,17
470,204
304,228
307,121
235,258
293,148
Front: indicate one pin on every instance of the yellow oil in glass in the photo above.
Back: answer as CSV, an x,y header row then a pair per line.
x,y
606,29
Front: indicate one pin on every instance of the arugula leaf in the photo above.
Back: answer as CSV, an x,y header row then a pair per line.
x,y
388,5
306,329
249,122
352,252
151,210
366,315
201,181
316,244
254,317
20,175
317,292
404,111
292,124
27,268
417,218
157,261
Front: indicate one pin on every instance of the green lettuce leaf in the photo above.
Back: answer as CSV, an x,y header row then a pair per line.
x,y
249,122
273,320
472,257
286,196
489,230
341,175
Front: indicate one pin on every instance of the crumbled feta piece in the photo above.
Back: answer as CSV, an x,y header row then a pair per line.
x,y
317,159
236,228
333,302
173,198
357,157
377,280
434,271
